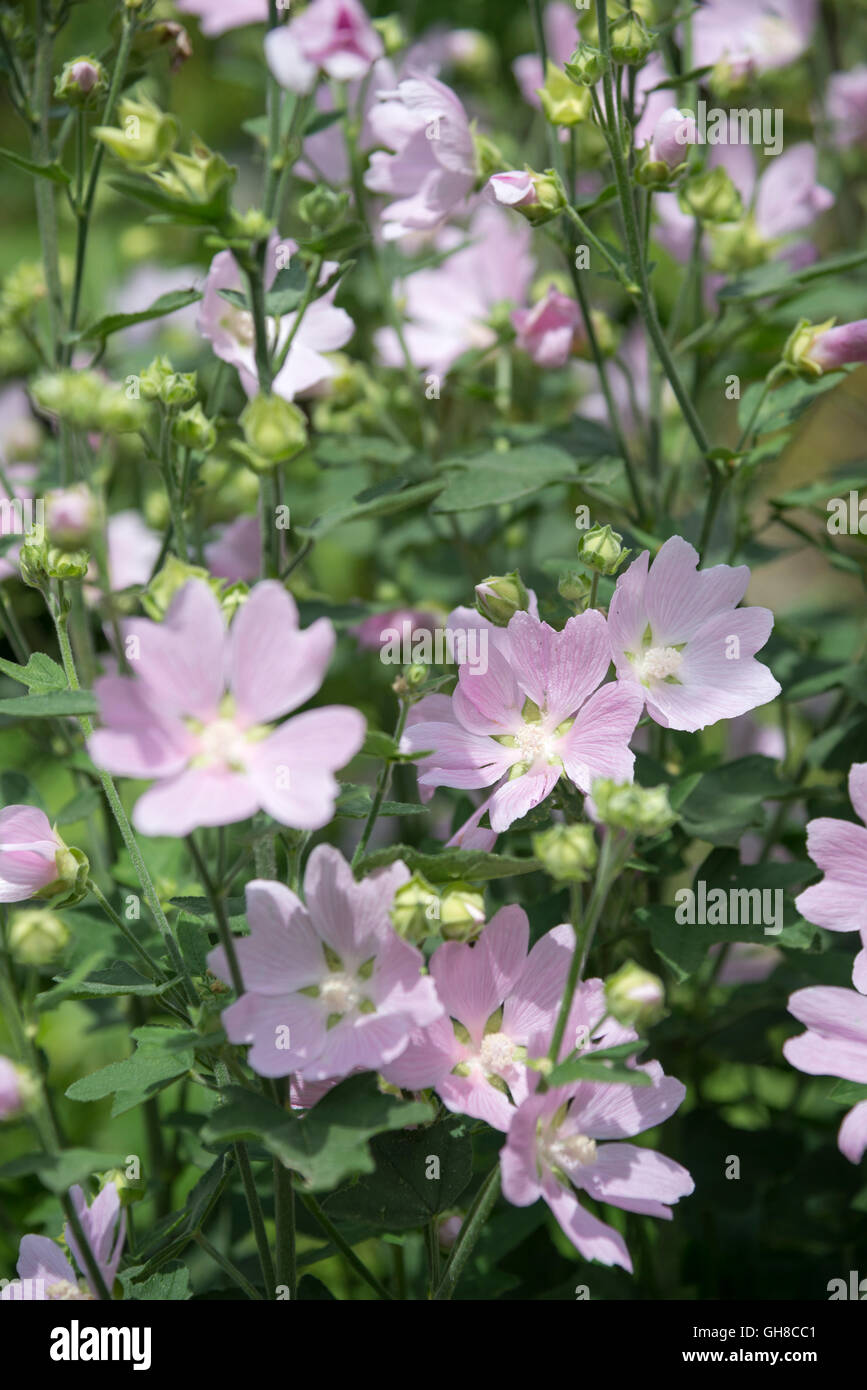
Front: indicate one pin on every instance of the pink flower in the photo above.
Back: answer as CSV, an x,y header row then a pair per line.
x,y
836,346
29,848
11,1094
432,167
552,1150
500,997
551,331
514,189
839,849
70,514
229,329
216,16
449,309
679,638
746,963
198,715
237,555
533,715
561,39
672,134
846,104
48,1274
329,986
749,37
379,628
835,1044
331,36
133,549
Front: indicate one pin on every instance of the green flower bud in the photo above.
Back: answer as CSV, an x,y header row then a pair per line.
x,y
23,290
178,388
739,246
81,82
587,65
567,852
323,207
573,587
73,396
500,597
415,911
415,675
462,912
199,177
796,353
251,225
129,1190
66,564
70,886
627,806
118,413
154,376
563,102
145,137
602,549
391,31
36,936
31,563
193,430
274,430
629,38
711,197
156,598
635,997
489,158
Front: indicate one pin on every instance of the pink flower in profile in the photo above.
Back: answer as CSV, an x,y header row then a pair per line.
x,y
835,1044
835,347
496,998
746,963
513,189
560,22
199,715
329,986
331,36
839,849
237,554
29,850
679,638
846,105
751,36
428,165
11,1089
673,133
552,331
552,1150
450,309
47,1273
229,329
533,715
379,628
217,16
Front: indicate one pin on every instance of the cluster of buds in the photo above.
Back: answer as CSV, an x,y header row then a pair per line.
x,y
86,401
628,806
160,382
501,596
418,911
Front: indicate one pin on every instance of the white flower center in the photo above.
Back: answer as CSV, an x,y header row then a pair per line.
x,y
240,324
657,663
340,991
569,1150
533,743
496,1052
66,1290
222,743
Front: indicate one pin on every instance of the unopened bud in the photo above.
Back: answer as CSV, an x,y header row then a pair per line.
x,y
501,596
602,549
462,912
193,430
81,81
36,936
415,911
564,102
628,806
587,65
567,852
634,996
711,197
629,38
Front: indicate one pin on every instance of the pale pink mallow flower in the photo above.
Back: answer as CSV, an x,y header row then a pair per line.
x,y
229,329
29,851
673,133
835,1044
746,963
496,998
331,36
551,331
237,553
839,849
43,1268
217,16
329,986
11,1090
679,638
553,1151
428,165
199,715
533,715
513,189
560,22
751,36
374,632
836,347
846,105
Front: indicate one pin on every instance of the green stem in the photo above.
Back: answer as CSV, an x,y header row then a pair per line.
x,y
226,1265
381,787
218,905
470,1232
257,1219
344,1247
284,1213
44,189
598,245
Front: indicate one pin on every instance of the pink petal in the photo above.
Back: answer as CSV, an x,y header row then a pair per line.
x,y
275,666
591,1237
200,796
263,1021
597,743
852,1138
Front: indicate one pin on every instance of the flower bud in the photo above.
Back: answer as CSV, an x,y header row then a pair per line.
x,y
199,177
815,348
538,197
118,413
462,912
323,207
36,936
81,81
274,430
634,997
70,515
415,911
711,197
18,1089
164,33
178,388
739,246
564,102
500,597
673,133
448,1230
391,31
66,564
145,136
73,396
602,549
587,65
567,852
193,430
23,290
629,38
573,587
31,564
627,806
415,675
129,1190
174,574
252,225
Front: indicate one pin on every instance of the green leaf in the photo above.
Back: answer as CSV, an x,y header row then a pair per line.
x,y
41,674
171,1285
848,1092
80,807
588,1069
166,304
59,1172
119,978
58,703
356,803
470,864
55,172
321,120
326,1145
396,495
727,801
778,277
486,480
134,1080
400,1195
287,291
